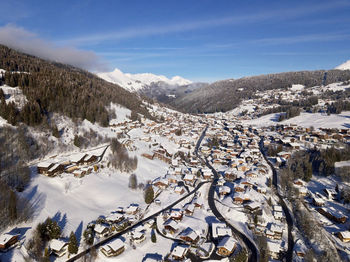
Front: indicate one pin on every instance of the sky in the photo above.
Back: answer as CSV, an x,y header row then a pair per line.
x,y
201,40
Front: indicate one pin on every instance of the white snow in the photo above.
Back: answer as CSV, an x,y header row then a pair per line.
x,y
317,120
344,66
135,82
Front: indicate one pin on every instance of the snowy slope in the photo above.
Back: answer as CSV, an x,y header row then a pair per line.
x,y
135,82
344,66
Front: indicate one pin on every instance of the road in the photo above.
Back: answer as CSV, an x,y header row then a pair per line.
x,y
254,253
289,219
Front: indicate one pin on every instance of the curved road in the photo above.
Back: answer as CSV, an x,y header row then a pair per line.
x,y
289,219
253,250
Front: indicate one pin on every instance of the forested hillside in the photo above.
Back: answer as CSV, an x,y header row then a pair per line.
x,y
54,87
227,94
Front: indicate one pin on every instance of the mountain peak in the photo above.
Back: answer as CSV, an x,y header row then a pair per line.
x,y
344,66
135,82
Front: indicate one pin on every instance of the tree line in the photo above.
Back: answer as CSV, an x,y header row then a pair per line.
x,y
54,87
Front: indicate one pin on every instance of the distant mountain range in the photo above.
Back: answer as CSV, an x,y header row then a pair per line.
x,y
344,66
137,82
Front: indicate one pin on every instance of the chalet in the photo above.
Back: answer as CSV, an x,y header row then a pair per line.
x,y
226,246
302,191
198,202
333,216
113,248
179,252
230,176
299,182
274,249
189,235
171,226
179,190
317,201
251,174
189,210
114,218
55,170
176,214
161,183
344,236
285,155
90,159
138,237
220,230
78,159
239,188
8,240
132,209
58,247
101,230
240,198
189,179
224,190
253,207
79,173
330,193
44,167
242,167
172,179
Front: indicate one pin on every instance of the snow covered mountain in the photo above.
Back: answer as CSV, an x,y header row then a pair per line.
x,y
137,82
344,66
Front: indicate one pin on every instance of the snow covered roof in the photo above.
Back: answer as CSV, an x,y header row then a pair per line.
x,y
44,164
57,245
77,157
6,237
115,244
179,251
274,247
100,228
228,242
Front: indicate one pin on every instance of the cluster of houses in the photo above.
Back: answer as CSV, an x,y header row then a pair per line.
x,y
79,165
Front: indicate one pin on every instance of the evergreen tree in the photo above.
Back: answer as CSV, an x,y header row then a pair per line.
x,y
73,244
153,237
149,194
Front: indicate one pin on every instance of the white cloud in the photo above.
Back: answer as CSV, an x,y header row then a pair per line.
x,y
28,42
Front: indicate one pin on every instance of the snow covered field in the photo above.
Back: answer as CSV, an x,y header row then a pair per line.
x,y
317,120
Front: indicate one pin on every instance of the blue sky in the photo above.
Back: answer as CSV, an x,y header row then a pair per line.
x,y
200,40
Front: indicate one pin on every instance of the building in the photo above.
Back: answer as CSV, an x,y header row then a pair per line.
x,y
179,252
226,246
58,247
7,240
344,236
114,248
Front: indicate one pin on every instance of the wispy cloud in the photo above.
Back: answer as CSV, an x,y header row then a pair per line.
x,y
28,42
159,29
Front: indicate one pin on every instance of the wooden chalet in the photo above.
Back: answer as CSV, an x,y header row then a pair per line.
x,y
114,248
7,241
226,246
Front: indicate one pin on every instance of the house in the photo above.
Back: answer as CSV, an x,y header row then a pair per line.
x,y
115,218
274,249
189,210
101,230
220,230
253,207
114,248
179,252
189,178
189,235
43,167
179,190
224,190
55,170
333,216
161,183
344,236
230,176
176,214
226,246
133,209
58,247
89,159
138,237
79,173
171,226
8,240
78,159
317,201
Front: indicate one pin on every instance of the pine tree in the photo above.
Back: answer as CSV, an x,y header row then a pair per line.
x,y
153,237
73,244
149,194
